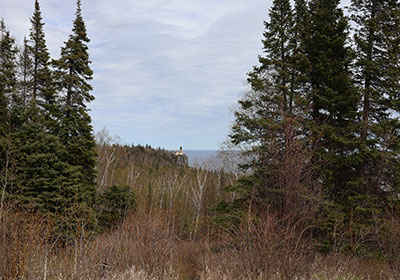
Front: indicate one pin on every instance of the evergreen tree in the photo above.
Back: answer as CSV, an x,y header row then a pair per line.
x,y
41,170
25,73
8,81
73,76
300,61
333,98
8,70
43,91
278,51
18,117
38,164
377,38
271,118
271,98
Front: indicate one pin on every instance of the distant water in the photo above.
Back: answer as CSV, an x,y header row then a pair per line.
x,y
199,156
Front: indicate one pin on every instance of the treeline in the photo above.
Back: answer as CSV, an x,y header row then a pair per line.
x,y
321,123
317,189
185,194
47,146
51,164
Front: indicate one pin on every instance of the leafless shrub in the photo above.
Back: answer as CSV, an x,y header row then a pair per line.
x,y
23,239
147,247
108,156
143,241
292,173
387,235
264,246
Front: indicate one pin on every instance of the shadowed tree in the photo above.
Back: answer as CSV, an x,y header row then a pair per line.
x,y
73,74
333,97
377,68
41,171
8,77
8,82
271,120
43,92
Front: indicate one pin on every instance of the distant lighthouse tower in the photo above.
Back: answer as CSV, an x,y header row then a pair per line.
x,y
180,158
180,152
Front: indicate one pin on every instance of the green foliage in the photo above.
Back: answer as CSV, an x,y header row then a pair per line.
x,y
230,214
333,96
73,70
273,116
25,67
8,80
47,140
376,72
279,46
115,203
43,91
76,133
8,70
313,92
39,178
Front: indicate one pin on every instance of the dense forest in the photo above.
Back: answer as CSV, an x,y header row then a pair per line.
x,y
308,189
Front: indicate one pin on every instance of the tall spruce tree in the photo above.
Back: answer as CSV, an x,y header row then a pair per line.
x,y
272,115
377,69
19,109
43,91
8,71
25,72
8,67
40,174
301,63
73,76
333,97
8,82
278,52
271,98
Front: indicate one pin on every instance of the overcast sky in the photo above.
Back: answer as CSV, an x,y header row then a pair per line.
x,y
166,72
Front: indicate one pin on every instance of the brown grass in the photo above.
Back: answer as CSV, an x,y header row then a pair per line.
x,y
146,246
23,240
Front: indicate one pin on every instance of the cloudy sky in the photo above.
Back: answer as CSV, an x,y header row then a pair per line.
x,y
166,72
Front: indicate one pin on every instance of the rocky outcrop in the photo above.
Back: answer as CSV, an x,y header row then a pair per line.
x,y
179,158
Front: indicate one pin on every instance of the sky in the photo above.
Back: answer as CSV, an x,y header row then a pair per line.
x,y
167,73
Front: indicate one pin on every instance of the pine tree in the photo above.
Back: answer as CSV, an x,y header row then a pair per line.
x,y
73,76
300,61
25,71
271,98
278,51
18,117
8,70
38,164
271,95
43,91
377,40
271,118
8,81
333,97
41,170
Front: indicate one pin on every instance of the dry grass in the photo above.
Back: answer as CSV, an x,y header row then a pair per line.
x,y
147,247
23,240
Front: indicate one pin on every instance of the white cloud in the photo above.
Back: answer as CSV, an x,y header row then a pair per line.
x,y
166,71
